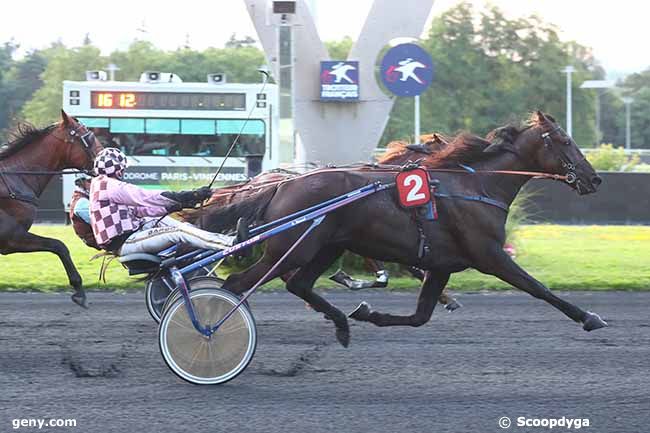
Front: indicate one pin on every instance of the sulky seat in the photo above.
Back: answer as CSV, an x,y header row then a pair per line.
x,y
140,263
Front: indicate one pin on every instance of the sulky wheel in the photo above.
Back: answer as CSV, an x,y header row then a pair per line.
x,y
156,292
193,284
199,359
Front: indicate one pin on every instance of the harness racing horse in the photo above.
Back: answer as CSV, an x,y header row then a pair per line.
x,y
26,166
397,153
467,234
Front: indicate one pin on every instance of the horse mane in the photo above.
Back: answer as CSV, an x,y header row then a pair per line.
x,y
24,134
464,148
395,150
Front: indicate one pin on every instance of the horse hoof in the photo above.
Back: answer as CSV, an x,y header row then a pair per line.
x,y
343,335
340,277
593,321
80,299
361,313
453,306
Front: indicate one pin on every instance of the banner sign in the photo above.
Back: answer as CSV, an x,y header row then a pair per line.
x,y
339,81
166,177
407,70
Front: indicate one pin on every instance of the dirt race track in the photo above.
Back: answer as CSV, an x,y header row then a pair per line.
x,y
500,355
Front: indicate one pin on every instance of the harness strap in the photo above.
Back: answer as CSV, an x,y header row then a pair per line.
x,y
31,199
479,198
423,245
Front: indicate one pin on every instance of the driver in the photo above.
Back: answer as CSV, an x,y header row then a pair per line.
x,y
126,219
80,210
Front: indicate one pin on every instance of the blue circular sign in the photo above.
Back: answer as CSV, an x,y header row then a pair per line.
x,y
407,70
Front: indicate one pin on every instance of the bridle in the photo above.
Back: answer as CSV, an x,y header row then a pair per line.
x,y
559,152
86,138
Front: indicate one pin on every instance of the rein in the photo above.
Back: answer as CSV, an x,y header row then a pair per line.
x,y
377,168
398,168
374,168
48,173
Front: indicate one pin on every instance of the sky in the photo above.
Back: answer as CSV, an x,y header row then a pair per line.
x,y
617,31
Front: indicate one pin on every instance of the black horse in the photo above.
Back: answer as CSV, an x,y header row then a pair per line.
x,y
468,234
26,166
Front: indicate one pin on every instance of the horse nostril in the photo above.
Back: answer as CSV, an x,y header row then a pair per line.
x,y
596,180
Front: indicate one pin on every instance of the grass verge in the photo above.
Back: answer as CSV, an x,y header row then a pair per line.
x,y
562,257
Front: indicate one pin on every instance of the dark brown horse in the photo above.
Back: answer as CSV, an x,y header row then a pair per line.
x,y
467,234
26,166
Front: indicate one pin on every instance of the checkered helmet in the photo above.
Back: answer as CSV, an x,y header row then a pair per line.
x,y
111,162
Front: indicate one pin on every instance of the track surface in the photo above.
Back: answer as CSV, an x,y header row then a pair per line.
x,y
500,355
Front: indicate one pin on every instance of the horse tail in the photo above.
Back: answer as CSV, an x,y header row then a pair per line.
x,y
224,218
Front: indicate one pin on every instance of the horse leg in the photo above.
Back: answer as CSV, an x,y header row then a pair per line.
x,y
239,282
503,267
342,278
302,282
445,298
381,274
29,242
429,292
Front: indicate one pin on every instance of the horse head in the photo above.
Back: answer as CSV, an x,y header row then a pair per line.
x,y
75,142
545,146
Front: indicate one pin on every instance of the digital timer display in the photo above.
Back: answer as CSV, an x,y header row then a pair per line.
x,y
167,101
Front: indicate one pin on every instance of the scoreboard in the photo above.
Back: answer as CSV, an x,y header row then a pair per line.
x,y
168,101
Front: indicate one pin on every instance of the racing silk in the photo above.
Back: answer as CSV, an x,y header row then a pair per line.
x,y
80,225
118,208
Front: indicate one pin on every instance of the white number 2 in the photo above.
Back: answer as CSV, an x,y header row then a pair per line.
x,y
415,193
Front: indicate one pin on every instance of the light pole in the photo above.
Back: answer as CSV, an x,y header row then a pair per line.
x,y
627,101
598,85
569,121
284,16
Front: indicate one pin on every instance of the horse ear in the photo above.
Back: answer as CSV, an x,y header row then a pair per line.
x,y
438,138
65,120
540,117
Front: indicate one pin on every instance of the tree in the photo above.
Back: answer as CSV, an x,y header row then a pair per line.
x,y
139,57
613,120
46,70
491,70
640,118
6,62
339,50
23,79
233,42
62,64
